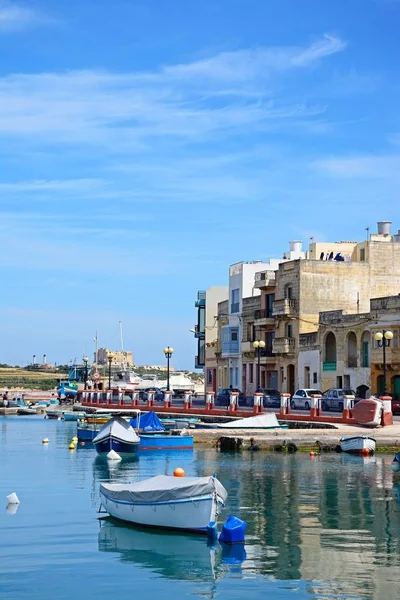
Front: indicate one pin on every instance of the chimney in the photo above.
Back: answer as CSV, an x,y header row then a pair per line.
x,y
44,359
295,246
385,227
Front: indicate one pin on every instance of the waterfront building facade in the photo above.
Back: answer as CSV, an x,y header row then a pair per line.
x,y
385,313
206,333
304,288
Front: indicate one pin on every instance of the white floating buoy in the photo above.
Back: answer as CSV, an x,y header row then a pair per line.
x,y
13,498
11,509
112,455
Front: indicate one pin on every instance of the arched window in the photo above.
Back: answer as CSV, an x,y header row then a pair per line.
x,y
365,342
330,348
351,350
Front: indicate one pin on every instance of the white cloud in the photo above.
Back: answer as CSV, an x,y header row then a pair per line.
x,y
366,167
16,17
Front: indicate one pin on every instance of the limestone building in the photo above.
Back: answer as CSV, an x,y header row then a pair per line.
x,y
329,282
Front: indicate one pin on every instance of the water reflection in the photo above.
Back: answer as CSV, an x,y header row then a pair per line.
x,y
174,556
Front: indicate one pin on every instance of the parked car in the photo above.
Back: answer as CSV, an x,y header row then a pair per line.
x,y
302,398
272,398
159,394
396,406
223,397
332,399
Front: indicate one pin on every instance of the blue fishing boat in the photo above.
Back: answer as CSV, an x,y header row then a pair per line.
x,y
117,435
74,416
68,389
154,437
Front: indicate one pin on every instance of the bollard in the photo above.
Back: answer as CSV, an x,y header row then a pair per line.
x,y
387,415
135,398
315,405
233,402
120,398
167,398
187,402
210,400
285,404
347,405
150,398
258,398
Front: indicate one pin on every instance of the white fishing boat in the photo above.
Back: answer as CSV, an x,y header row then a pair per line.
x,y
118,435
359,444
186,503
266,421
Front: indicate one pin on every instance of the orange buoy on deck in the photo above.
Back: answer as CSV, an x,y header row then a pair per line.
x,y
179,472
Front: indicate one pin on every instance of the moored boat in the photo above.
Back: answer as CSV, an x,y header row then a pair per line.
x,y
185,503
117,435
74,416
368,412
359,444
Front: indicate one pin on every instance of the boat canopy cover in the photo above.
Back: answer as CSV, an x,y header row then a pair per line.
x,y
148,422
266,421
118,428
164,488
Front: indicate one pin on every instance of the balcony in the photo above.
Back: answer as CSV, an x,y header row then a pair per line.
x,y
263,317
264,279
286,307
329,366
247,347
283,345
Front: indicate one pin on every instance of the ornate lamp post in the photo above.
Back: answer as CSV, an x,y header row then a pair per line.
x,y
110,356
85,375
168,353
384,338
258,345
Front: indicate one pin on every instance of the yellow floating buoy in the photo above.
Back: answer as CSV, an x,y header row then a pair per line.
x,y
179,472
75,439
71,446
45,441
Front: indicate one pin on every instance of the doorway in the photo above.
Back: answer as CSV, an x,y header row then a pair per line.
x,y
307,377
290,379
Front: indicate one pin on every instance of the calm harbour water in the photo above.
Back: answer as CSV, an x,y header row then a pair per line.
x,y
320,528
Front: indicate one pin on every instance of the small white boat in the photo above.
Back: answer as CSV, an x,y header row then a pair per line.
x,y
117,435
359,444
186,503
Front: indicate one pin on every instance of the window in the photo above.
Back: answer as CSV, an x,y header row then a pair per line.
x,y
234,335
315,377
289,330
251,372
235,301
282,375
209,376
365,349
236,376
395,338
346,382
269,302
231,376
230,340
269,338
288,292
250,332
362,255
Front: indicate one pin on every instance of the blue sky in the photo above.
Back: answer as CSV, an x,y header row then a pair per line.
x,y
145,146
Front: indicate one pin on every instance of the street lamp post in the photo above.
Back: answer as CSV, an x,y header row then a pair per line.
x,y
168,353
85,375
384,338
110,356
258,345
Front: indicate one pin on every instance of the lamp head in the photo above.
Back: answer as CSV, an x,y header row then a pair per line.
x,y
85,359
379,336
168,351
110,356
261,344
256,344
388,335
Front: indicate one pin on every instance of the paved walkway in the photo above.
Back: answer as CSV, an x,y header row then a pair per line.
x,y
386,437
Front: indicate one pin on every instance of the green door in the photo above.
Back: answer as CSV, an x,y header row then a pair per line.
x,y
396,386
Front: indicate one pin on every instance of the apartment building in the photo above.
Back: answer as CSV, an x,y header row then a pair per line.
x,y
341,276
385,316
206,333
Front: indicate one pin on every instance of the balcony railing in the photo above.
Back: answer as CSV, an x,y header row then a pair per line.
x,y
329,366
284,307
283,345
262,313
264,279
